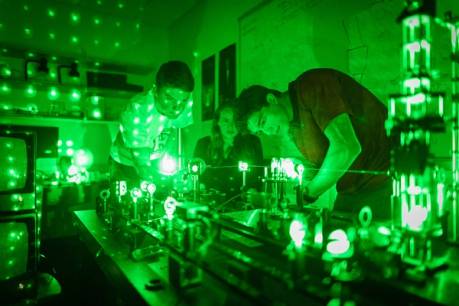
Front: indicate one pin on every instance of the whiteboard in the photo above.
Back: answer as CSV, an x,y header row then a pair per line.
x,y
275,43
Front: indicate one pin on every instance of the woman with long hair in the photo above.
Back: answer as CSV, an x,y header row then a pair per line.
x,y
222,151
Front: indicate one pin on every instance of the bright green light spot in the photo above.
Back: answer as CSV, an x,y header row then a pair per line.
x,y
27,31
53,93
52,74
51,12
83,158
383,230
26,7
75,17
75,95
297,232
31,91
137,26
69,143
10,159
120,5
195,168
59,142
31,54
96,113
243,166
136,120
95,100
6,71
97,20
96,41
415,217
339,243
118,24
74,39
117,44
5,88
72,170
69,152
168,165
12,183
51,35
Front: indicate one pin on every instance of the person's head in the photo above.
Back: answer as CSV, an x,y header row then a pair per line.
x,y
224,122
173,87
260,110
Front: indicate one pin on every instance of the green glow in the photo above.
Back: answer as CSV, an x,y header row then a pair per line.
x,y
69,152
243,166
97,20
96,41
95,100
415,217
96,113
118,24
75,95
27,31
51,35
30,54
440,197
30,91
169,207
135,132
297,232
136,120
5,88
69,143
75,17
10,159
53,93
194,168
120,5
26,7
74,39
72,170
416,99
117,44
339,243
83,158
383,230
59,143
51,12
137,26
5,72
168,165
288,167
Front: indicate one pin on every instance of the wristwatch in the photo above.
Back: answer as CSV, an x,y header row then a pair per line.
x,y
308,198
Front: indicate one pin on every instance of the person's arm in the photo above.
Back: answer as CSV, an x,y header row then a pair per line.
x,y
343,150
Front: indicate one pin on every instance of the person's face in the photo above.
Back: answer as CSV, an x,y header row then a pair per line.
x,y
271,120
171,101
226,124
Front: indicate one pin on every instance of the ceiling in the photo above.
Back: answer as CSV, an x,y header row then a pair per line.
x,y
123,32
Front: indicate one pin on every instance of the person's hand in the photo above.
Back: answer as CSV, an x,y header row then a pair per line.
x,y
307,198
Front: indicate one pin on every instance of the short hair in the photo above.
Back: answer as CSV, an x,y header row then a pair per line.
x,y
175,74
252,99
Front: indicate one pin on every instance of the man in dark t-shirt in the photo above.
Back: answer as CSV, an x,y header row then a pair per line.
x,y
338,126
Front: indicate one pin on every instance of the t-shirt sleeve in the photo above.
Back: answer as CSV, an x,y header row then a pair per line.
x,y
322,96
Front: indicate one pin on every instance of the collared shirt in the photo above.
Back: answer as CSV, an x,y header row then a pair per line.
x,y
144,133
318,96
